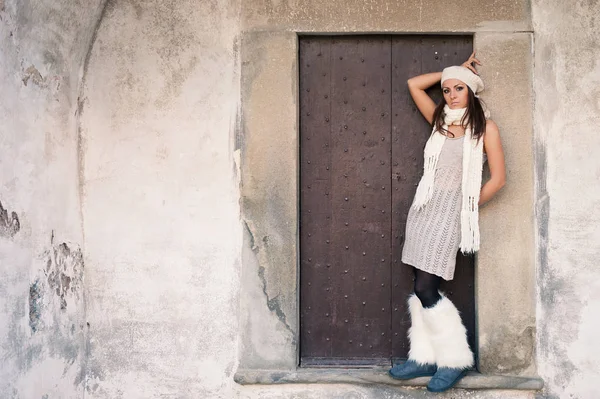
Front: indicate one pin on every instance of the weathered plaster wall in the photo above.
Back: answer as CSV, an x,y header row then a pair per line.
x,y
161,214
42,326
156,173
567,116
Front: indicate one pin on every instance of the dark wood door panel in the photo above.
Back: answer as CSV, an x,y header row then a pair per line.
x,y
355,108
316,296
361,145
361,134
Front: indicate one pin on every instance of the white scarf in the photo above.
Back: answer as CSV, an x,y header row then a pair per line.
x,y
472,164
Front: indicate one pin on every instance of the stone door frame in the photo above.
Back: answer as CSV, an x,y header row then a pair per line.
x,y
267,156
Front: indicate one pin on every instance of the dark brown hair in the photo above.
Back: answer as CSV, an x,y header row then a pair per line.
x,y
474,116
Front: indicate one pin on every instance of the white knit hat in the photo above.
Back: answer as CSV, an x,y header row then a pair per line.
x,y
465,75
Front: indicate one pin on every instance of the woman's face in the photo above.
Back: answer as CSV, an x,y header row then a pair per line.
x,y
456,93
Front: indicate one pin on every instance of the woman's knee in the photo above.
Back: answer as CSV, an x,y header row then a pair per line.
x,y
427,295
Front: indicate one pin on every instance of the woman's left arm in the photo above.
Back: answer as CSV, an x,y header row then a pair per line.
x,y
493,149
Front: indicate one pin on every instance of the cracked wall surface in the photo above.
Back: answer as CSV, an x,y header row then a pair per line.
x,y
43,45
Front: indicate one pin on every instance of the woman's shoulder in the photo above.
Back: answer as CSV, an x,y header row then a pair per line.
x,y
490,126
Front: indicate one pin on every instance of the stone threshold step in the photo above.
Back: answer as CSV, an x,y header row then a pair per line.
x,y
473,380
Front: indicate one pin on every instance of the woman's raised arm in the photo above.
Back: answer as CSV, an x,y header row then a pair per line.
x,y
417,86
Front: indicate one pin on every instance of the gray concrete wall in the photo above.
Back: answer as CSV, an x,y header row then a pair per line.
x,y
567,172
42,312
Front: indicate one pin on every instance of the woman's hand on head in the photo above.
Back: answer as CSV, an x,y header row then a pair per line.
x,y
469,63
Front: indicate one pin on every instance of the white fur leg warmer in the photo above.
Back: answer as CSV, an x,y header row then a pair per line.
x,y
448,335
421,349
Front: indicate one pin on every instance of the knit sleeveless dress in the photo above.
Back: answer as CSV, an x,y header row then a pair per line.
x,y
433,232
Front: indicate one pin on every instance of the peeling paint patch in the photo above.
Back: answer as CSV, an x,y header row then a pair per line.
x,y
64,272
8,226
61,278
35,305
34,75
64,269
43,330
253,246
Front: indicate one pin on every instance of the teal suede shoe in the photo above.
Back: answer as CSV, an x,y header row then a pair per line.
x,y
411,369
445,378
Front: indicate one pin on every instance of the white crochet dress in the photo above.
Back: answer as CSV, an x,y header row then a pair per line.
x,y
433,233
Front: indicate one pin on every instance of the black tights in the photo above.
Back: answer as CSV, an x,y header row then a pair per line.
x,y
426,287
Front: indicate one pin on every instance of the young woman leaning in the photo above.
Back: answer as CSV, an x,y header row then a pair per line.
x,y
444,218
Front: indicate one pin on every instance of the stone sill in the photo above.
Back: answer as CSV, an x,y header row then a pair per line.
x,y
374,376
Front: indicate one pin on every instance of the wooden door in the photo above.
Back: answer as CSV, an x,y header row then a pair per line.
x,y
361,146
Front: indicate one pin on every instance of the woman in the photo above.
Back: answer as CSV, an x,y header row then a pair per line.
x,y
444,218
